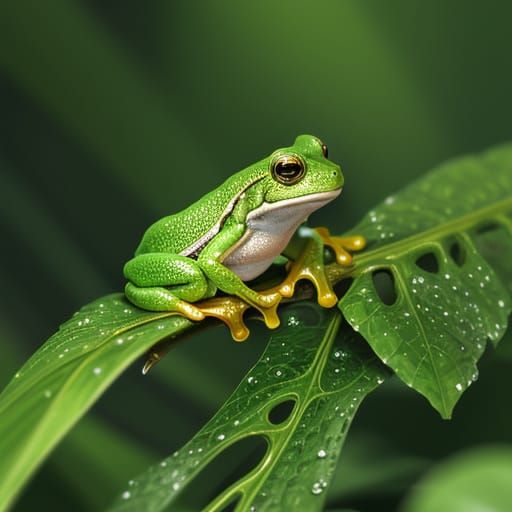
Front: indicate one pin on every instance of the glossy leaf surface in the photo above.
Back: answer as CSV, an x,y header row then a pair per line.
x,y
64,378
324,373
444,299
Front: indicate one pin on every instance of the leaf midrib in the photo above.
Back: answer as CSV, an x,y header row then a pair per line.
x,y
457,224
316,368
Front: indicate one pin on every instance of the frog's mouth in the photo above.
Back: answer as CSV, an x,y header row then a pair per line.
x,y
292,211
313,201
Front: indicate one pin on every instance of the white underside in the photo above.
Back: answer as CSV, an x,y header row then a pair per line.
x,y
269,229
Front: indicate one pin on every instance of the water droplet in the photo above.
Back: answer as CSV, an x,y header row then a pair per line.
x,y
221,437
293,320
126,495
279,373
47,393
321,454
317,488
501,304
175,486
252,380
96,370
458,386
163,464
120,341
236,423
447,276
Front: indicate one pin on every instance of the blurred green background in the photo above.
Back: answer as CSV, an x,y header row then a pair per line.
x,y
113,114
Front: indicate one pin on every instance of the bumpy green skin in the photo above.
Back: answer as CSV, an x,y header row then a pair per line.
x,y
160,279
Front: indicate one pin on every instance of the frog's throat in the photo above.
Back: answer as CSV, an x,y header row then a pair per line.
x,y
193,250
269,229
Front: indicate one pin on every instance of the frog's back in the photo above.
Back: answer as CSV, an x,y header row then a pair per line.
x,y
188,231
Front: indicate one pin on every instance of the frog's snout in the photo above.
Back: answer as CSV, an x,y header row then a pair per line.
x,y
337,176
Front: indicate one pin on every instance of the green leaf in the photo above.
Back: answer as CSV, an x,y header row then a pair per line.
x,y
476,481
326,376
64,378
449,299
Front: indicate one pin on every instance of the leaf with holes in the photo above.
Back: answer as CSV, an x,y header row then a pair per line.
x,y
451,292
321,376
64,378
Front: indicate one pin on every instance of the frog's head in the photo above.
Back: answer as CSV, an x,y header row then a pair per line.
x,y
301,170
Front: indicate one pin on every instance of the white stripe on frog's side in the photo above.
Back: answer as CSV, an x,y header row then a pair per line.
x,y
193,250
269,229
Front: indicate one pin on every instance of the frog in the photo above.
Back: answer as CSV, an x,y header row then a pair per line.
x,y
234,233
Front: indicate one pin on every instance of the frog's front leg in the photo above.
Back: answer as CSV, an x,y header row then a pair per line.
x,y
166,282
306,250
210,261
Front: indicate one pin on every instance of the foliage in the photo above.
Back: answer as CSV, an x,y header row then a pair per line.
x,y
319,373
114,115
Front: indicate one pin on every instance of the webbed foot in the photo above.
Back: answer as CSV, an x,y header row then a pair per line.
x,y
342,245
310,264
230,310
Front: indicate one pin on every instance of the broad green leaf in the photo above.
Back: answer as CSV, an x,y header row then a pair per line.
x,y
64,378
325,375
476,481
449,299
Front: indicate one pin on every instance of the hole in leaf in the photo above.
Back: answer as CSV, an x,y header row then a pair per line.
x,y
384,283
428,262
457,253
281,412
486,228
231,506
341,288
224,470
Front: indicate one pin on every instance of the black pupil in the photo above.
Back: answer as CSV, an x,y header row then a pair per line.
x,y
288,170
325,151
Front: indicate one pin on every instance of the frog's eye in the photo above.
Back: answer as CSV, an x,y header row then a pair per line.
x,y
288,169
325,151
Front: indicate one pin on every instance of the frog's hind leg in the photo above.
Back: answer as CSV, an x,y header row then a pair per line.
x,y
165,282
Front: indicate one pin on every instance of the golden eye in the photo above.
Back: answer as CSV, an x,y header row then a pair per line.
x,y
288,169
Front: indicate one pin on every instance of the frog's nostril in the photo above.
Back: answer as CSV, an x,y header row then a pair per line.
x,y
334,173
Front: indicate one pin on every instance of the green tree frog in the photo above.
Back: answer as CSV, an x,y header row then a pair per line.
x,y
232,234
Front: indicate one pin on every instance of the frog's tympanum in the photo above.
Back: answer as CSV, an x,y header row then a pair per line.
x,y
233,235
